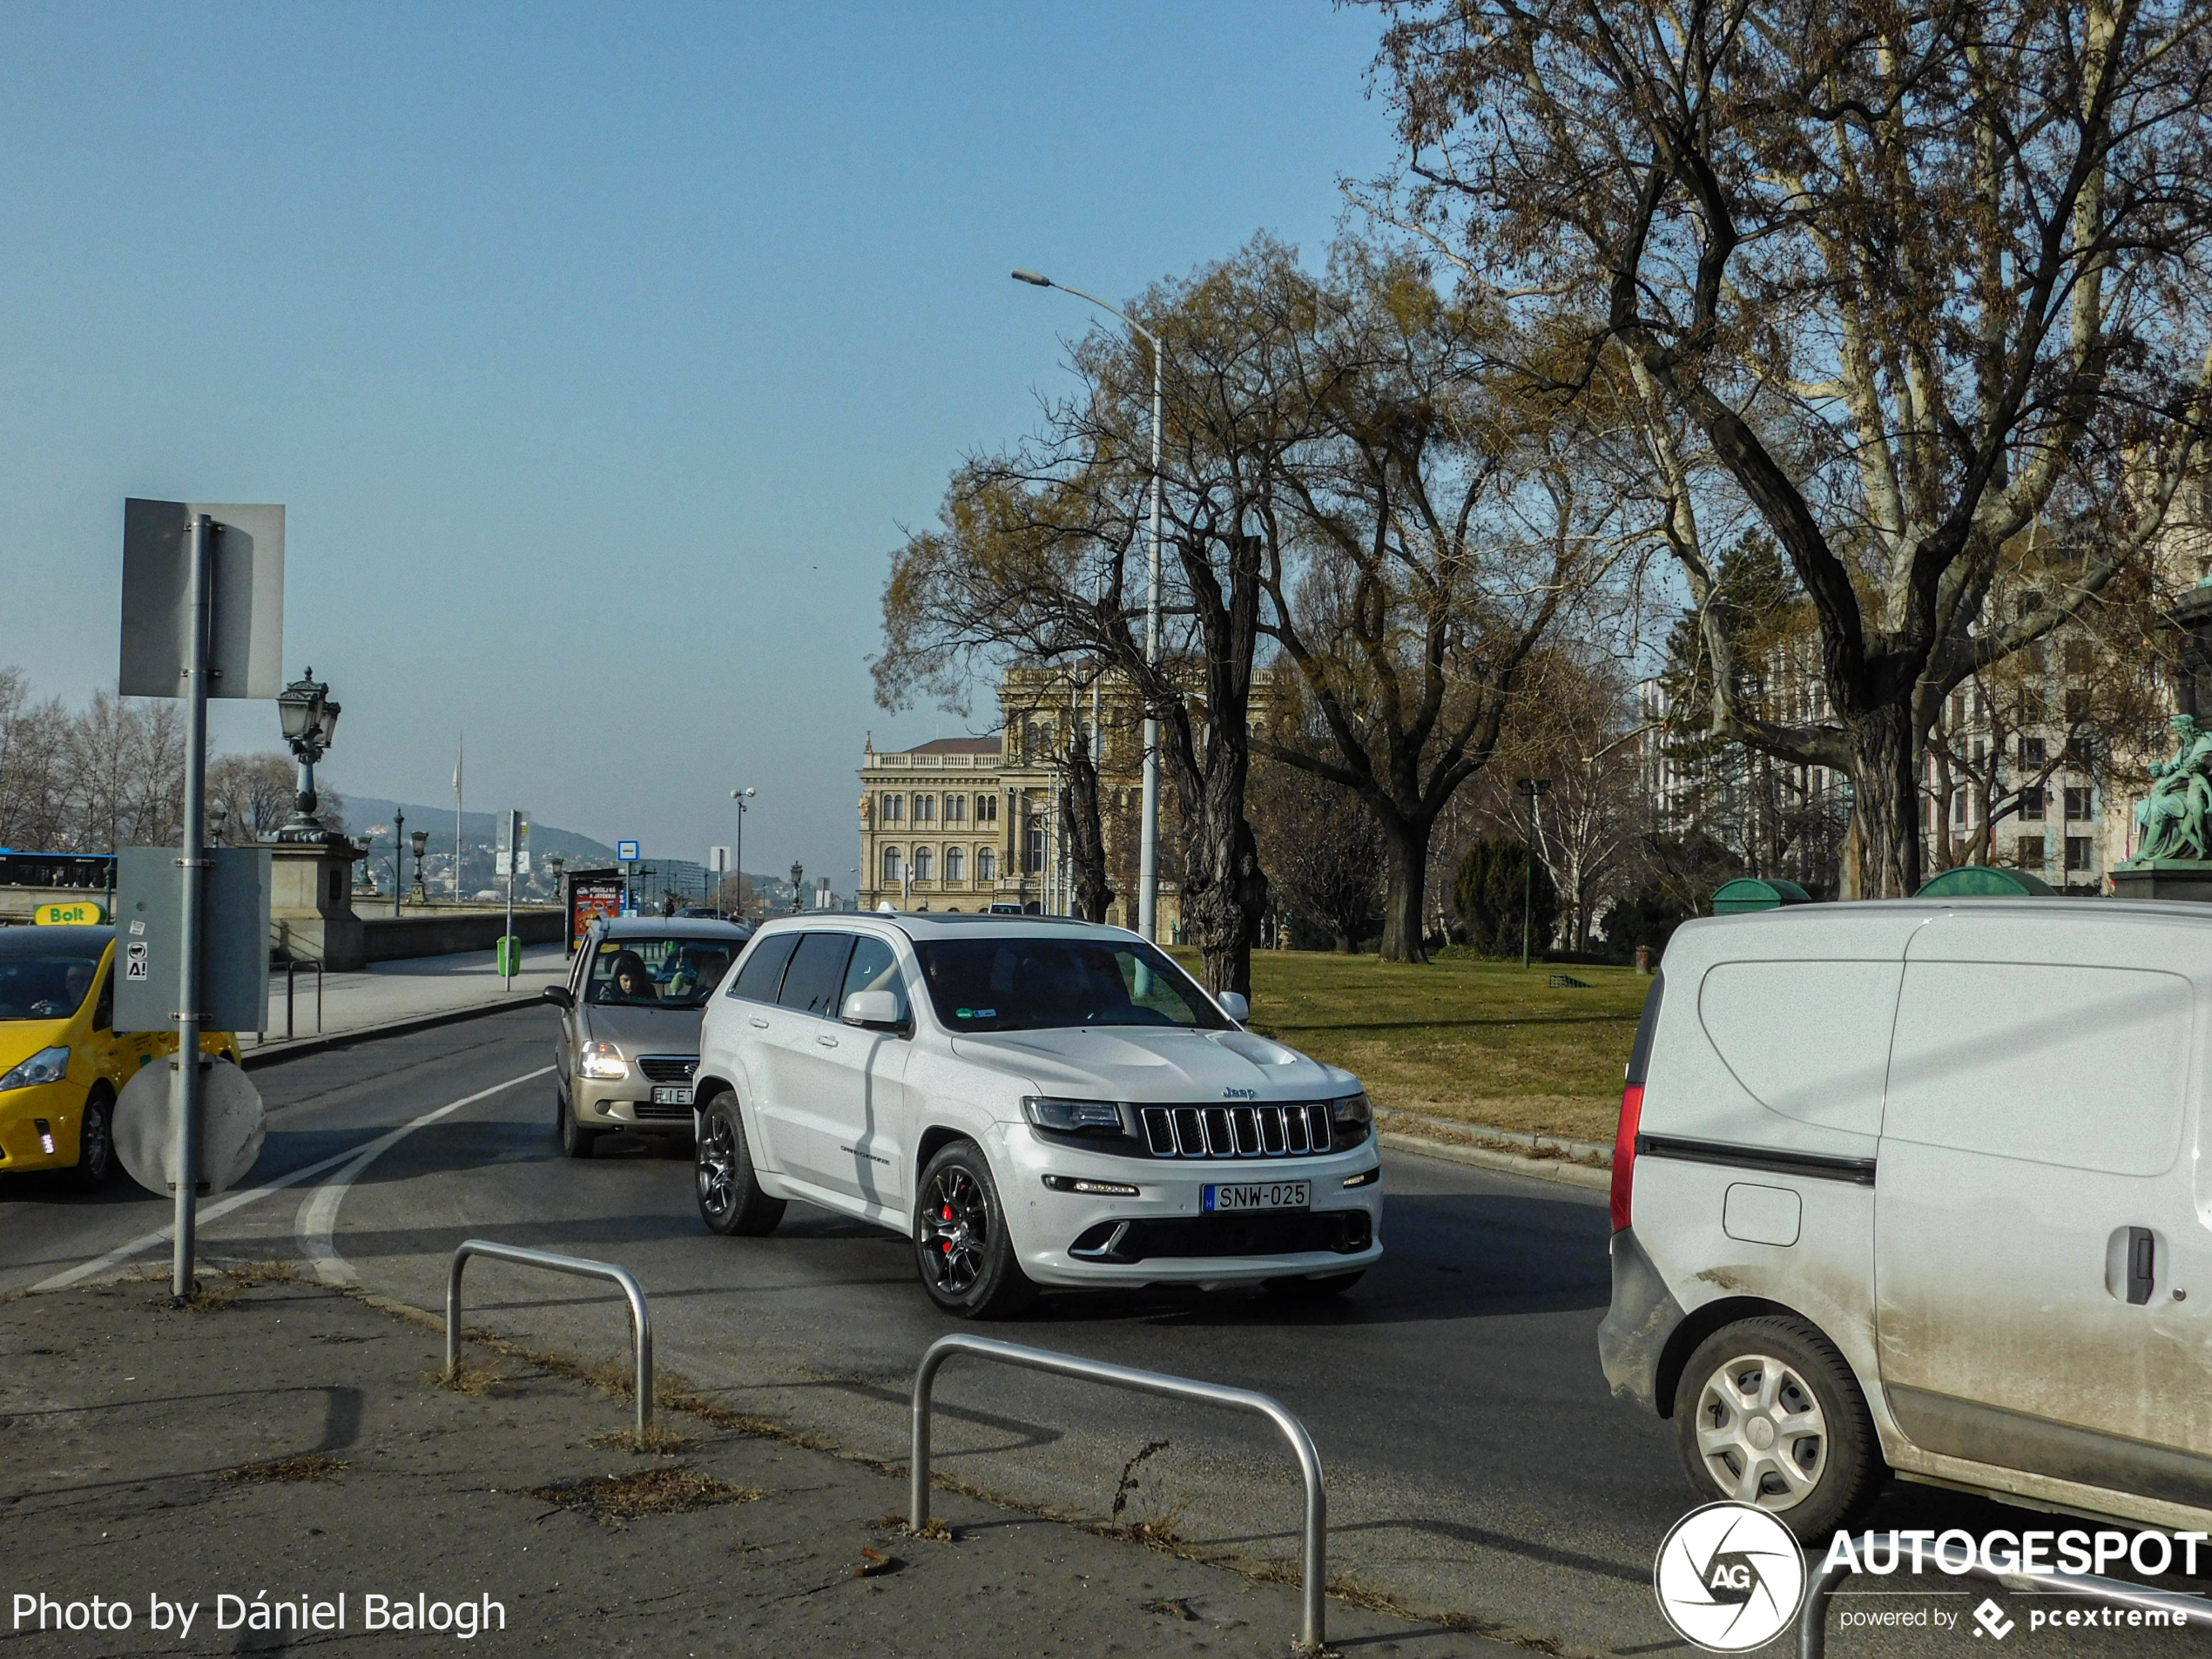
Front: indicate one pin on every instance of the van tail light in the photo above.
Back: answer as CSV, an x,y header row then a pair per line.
x,y
1624,1153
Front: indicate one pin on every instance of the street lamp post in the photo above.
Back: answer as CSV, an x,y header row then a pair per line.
x,y
310,722
419,840
1148,872
737,852
1530,788
399,857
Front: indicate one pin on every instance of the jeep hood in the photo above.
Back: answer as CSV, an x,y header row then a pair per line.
x,y
1152,1064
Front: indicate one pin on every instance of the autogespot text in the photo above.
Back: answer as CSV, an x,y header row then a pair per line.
x,y
2107,1552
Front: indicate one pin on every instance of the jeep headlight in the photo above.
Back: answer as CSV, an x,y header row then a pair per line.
x,y
1352,1109
603,1063
1073,1116
47,1066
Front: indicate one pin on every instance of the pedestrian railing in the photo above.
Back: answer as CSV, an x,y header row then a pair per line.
x,y
1812,1618
1148,1382
291,966
641,1323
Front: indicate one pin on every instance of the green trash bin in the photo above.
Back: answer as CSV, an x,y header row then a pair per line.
x,y
1986,881
1747,894
509,957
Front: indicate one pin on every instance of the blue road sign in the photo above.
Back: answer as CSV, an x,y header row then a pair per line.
x,y
626,852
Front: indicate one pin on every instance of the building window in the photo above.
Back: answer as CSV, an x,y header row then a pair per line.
x,y
2032,751
894,808
925,809
2077,657
2027,852
955,809
2077,852
923,863
2077,704
955,861
987,809
2031,805
2077,805
1034,842
891,866
1958,806
986,865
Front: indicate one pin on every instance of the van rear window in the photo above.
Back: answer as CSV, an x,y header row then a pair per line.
x,y
1647,1027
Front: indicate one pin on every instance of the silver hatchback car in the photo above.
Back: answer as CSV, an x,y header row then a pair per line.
x,y
630,1026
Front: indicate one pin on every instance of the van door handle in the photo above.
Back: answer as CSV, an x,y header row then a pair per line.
x,y
828,1042
2142,1264
756,1024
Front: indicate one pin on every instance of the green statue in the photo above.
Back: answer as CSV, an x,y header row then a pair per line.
x,y
2170,822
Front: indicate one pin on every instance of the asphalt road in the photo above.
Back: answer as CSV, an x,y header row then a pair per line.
x,y
1477,1467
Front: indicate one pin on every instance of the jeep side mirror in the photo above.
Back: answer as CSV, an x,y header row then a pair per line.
x,y
873,1011
559,996
1235,1007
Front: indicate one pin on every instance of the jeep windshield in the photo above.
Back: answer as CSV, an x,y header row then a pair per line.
x,y
658,972
1024,984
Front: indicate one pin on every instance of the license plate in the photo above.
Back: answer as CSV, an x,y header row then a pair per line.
x,y
1259,1195
672,1094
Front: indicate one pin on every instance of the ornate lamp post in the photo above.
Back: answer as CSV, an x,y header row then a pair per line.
x,y
399,857
797,875
310,721
419,840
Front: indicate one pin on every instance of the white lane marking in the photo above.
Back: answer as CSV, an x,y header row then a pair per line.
x,y
216,1211
317,1218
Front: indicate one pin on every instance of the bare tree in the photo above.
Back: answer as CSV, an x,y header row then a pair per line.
x,y
1910,282
1324,851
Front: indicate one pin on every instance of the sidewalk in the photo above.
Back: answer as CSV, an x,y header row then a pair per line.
x,y
403,990
289,1446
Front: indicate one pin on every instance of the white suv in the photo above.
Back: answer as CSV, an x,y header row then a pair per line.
x,y
1034,1101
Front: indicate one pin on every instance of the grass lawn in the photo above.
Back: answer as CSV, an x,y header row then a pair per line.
x,y
1481,1040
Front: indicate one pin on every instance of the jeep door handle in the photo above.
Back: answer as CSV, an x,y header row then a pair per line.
x,y
759,1025
828,1042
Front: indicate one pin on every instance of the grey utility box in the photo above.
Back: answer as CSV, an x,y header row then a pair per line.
x,y
233,939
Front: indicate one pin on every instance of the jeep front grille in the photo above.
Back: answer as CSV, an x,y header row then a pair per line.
x,y
1237,1131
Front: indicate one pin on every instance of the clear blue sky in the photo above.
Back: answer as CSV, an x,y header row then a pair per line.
x,y
598,353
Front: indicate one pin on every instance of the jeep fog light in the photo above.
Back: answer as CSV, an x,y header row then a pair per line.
x,y
1096,1188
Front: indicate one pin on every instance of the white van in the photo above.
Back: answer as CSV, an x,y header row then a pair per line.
x,y
1921,1187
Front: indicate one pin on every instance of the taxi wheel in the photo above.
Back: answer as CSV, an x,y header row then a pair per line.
x,y
960,1243
577,1141
95,1142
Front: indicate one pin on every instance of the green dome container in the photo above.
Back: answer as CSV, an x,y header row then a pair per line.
x,y
1747,894
1986,881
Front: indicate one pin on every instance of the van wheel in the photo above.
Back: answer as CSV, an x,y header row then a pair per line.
x,y
962,1247
731,1200
577,1141
95,1142
1767,1412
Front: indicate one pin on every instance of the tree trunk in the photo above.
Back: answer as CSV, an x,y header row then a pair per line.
x,y
1886,802
1222,908
1086,838
1405,843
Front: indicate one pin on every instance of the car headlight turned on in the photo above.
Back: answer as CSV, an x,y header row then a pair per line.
x,y
1101,1117
603,1063
47,1066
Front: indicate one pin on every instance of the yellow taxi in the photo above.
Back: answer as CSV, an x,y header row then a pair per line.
x,y
61,1064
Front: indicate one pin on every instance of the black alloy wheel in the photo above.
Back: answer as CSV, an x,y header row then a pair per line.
x,y
95,1142
960,1243
730,1199
577,1141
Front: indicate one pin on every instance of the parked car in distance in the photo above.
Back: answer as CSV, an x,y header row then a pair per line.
x,y
61,1064
1919,1188
630,1026
1034,1101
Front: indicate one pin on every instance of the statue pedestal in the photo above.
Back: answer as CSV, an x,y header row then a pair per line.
x,y
2188,879
310,910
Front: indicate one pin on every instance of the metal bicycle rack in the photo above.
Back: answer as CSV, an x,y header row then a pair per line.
x,y
1315,1573
641,1323
291,966
1812,1618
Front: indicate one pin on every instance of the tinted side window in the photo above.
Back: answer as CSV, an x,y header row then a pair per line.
x,y
874,967
816,972
764,968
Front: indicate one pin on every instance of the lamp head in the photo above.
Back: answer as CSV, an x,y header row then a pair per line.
x,y
1033,279
421,838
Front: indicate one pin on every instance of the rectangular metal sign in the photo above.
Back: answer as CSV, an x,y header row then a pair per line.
x,y
246,644
626,852
234,939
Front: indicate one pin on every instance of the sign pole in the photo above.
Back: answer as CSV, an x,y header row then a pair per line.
x,y
184,1085
507,952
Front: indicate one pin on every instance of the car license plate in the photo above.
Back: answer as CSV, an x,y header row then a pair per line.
x,y
672,1094
1259,1195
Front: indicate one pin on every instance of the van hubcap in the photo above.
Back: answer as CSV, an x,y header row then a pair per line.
x,y
1761,1433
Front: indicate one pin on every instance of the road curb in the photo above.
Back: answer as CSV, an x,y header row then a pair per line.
x,y
271,1054
1487,1157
